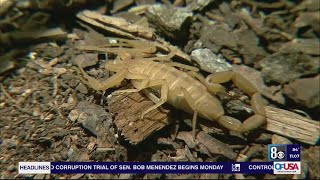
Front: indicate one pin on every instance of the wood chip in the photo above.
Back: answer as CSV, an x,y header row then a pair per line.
x,y
215,146
115,25
211,144
307,46
127,109
292,125
13,38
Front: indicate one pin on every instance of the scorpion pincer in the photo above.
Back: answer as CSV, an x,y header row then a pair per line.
x,y
179,89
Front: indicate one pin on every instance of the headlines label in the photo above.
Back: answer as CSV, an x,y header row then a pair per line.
x,y
34,167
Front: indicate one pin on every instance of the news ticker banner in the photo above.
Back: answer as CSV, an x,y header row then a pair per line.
x,y
293,167
283,159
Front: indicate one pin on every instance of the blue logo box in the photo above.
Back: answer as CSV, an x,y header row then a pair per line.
x,y
284,152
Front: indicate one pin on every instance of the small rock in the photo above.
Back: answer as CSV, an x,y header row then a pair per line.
x,y
172,22
285,67
91,145
120,4
153,176
47,50
70,153
36,111
70,80
82,88
159,156
196,5
39,176
63,155
237,107
180,155
90,114
60,134
74,138
44,141
59,71
85,60
59,122
48,118
126,176
16,90
215,37
70,104
187,138
215,146
9,143
250,48
105,176
100,154
73,115
305,91
209,61
88,123
6,64
77,176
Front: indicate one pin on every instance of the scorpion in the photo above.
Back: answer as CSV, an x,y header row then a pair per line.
x,y
178,88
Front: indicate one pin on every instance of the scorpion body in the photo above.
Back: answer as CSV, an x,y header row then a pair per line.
x,y
208,106
178,88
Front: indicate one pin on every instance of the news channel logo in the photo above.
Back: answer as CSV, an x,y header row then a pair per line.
x,y
277,152
287,167
236,168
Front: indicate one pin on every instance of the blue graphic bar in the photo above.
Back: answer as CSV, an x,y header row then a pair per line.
x,y
162,167
293,151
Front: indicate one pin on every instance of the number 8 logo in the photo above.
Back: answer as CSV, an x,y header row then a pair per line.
x,y
273,153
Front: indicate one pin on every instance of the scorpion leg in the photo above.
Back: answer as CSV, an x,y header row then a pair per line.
x,y
163,58
139,85
256,102
212,87
241,82
258,118
103,85
220,77
193,106
138,48
151,96
144,46
163,94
